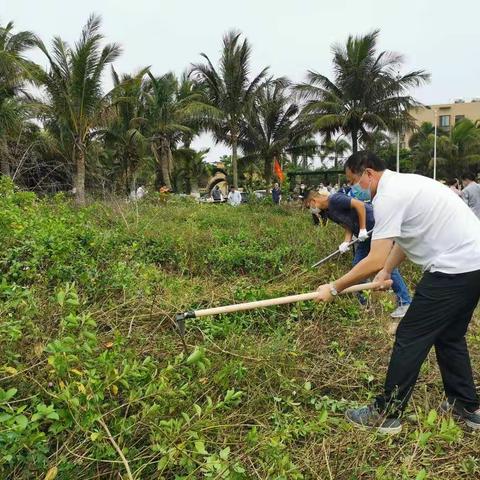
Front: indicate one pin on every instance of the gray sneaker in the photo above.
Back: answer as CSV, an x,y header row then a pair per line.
x,y
472,419
370,418
400,311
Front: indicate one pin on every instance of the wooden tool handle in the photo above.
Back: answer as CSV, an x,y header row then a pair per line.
x,y
279,300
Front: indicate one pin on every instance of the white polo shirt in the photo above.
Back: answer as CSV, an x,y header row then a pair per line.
x,y
434,227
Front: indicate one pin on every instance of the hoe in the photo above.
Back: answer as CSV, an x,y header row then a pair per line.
x,y
239,307
336,252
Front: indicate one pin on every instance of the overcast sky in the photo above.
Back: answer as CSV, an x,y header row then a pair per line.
x,y
440,36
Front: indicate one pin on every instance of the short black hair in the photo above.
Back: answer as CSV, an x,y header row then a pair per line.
x,y
359,161
469,176
451,181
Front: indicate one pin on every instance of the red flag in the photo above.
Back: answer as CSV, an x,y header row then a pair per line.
x,y
278,170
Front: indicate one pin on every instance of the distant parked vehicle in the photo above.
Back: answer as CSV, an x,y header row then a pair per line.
x,y
246,196
260,194
206,198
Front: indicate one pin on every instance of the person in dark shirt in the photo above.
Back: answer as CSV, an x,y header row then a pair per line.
x,y
357,218
303,192
346,189
276,194
217,195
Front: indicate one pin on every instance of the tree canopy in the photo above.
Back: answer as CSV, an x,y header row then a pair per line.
x,y
67,132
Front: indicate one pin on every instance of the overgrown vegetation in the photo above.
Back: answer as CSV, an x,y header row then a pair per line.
x,y
96,384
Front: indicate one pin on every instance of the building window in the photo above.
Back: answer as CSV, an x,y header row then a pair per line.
x,y
445,121
458,118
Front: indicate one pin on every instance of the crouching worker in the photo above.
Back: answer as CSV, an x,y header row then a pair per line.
x,y
413,218
356,217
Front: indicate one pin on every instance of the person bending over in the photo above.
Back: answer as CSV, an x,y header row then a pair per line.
x,y
356,217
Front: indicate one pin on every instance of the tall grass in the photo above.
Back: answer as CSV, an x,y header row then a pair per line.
x,y
96,384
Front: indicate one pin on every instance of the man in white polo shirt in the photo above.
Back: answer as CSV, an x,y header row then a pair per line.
x,y
413,219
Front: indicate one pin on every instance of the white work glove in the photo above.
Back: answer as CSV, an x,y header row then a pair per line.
x,y
362,235
344,247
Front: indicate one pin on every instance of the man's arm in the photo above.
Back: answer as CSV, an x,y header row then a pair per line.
x,y
348,235
371,264
359,207
344,246
396,257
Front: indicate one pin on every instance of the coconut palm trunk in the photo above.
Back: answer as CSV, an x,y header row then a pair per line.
x,y
165,162
354,141
162,154
80,176
268,172
5,166
4,158
131,179
234,160
170,161
194,189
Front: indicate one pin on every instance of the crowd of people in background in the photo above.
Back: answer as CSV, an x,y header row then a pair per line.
x,y
466,188
301,192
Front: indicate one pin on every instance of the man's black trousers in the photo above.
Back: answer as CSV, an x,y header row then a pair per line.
x,y
438,316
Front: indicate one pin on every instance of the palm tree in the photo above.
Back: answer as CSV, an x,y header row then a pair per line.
x,y
270,128
305,147
366,94
334,148
190,166
466,139
74,89
167,118
15,70
421,147
377,140
124,135
229,90
12,115
461,150
191,91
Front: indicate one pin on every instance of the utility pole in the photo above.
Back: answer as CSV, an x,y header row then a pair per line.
x,y
398,152
398,128
435,145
